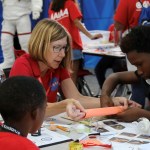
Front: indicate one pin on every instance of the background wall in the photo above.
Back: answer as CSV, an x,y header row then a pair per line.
x,y
98,14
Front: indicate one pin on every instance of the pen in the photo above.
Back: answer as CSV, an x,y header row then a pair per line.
x,y
95,133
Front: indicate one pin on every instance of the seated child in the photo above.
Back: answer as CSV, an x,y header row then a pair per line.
x,y
22,107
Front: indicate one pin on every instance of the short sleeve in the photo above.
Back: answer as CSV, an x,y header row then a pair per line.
x,y
74,12
64,74
21,67
121,14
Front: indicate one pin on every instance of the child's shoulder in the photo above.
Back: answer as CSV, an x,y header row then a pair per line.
x,y
15,142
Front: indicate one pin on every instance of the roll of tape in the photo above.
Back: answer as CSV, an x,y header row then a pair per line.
x,y
75,146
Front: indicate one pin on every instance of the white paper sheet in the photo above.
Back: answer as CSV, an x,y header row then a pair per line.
x,y
48,138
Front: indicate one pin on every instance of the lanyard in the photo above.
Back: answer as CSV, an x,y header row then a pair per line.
x,y
11,129
47,91
40,80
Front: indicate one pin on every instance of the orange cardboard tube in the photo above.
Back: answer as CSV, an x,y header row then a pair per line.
x,y
103,111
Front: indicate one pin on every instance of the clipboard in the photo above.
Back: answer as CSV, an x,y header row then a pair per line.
x,y
48,138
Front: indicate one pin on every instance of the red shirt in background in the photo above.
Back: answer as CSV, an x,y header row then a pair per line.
x,y
128,12
26,66
66,17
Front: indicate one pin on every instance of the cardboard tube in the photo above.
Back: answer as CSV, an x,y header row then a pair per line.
x,y
103,111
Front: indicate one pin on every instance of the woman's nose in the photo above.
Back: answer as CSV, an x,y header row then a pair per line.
x,y
62,53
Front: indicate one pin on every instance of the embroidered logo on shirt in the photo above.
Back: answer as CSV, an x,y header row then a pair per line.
x,y
54,84
145,4
60,14
138,5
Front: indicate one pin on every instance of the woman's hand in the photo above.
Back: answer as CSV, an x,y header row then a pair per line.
x,y
125,102
75,110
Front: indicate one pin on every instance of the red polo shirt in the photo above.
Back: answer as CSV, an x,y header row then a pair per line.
x,y
26,66
11,141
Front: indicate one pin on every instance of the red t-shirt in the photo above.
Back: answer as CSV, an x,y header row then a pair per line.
x,y
26,66
66,17
128,12
11,141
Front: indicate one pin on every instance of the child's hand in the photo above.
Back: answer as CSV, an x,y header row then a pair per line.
x,y
132,103
96,36
125,102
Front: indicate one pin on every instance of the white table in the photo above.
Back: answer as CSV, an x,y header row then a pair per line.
x,y
129,127
105,51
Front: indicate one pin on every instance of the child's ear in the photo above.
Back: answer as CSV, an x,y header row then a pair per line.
x,y
34,114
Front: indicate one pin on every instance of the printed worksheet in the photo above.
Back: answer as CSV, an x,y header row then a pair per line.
x,y
48,138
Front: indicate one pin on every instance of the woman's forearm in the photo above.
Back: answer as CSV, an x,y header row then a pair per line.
x,y
88,102
55,108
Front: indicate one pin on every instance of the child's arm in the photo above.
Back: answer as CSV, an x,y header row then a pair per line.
x,y
79,25
133,114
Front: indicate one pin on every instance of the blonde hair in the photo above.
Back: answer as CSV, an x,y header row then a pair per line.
x,y
45,32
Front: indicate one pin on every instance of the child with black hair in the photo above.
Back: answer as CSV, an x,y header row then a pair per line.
x,y
22,107
136,46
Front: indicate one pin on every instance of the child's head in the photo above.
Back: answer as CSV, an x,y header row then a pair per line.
x,y
22,98
136,45
137,40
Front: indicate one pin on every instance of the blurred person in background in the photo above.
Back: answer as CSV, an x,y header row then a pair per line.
x,y
67,13
16,18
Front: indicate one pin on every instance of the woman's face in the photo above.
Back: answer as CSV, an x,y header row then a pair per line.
x,y
56,53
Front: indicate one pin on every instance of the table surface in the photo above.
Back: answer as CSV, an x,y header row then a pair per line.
x,y
65,146
129,127
104,50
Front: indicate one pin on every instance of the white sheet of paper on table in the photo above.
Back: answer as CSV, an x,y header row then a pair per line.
x,y
48,138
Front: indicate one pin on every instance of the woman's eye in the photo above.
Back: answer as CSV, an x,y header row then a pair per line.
x,y
56,47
